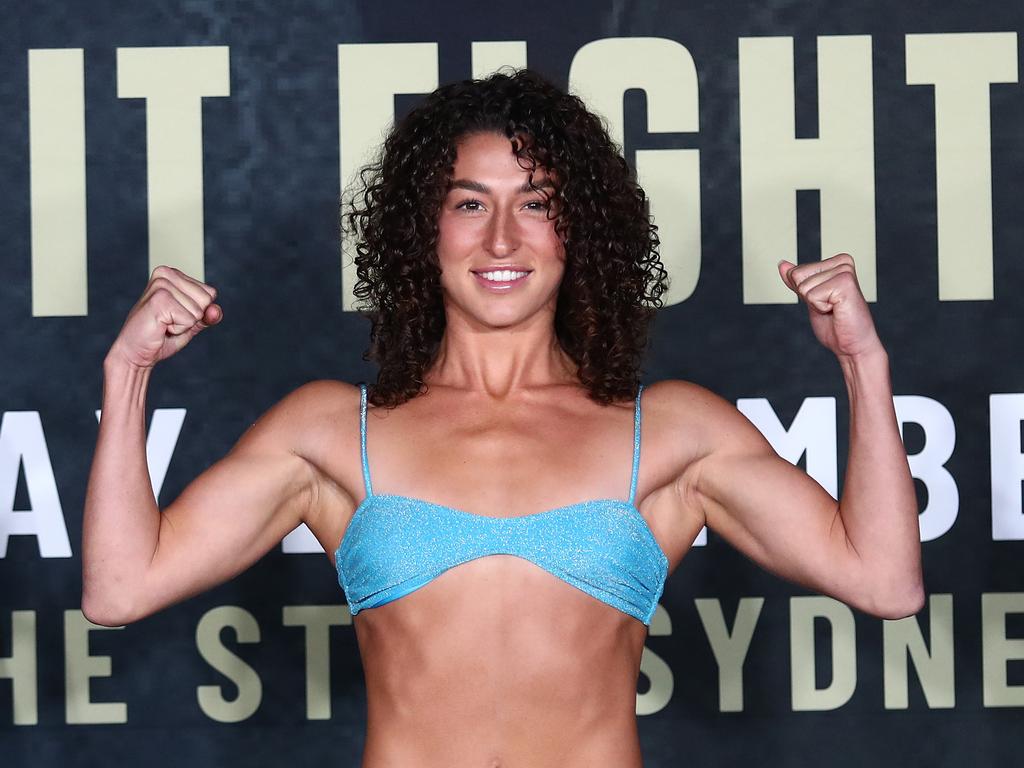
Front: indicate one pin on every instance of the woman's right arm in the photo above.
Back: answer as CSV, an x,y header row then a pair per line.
x,y
121,520
137,558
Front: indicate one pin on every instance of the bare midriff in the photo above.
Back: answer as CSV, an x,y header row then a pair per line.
x,y
498,663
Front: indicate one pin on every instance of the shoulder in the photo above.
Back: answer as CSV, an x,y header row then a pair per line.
x,y
320,397
316,400
709,421
301,418
678,399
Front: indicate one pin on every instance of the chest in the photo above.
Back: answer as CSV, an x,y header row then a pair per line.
x,y
509,461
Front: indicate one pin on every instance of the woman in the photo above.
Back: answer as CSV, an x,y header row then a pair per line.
x,y
501,537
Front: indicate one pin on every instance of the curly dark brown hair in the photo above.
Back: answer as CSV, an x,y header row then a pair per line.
x,y
613,276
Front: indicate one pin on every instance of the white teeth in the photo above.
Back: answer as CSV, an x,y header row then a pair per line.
x,y
502,276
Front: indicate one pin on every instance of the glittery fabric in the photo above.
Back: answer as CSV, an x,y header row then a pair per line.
x,y
396,544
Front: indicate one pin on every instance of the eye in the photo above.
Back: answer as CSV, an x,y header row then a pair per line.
x,y
465,205
542,205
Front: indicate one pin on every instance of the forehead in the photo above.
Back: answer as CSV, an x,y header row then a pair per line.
x,y
489,158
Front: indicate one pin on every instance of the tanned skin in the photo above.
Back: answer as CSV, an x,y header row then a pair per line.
x,y
497,662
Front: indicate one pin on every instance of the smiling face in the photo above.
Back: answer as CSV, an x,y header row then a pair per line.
x,y
501,259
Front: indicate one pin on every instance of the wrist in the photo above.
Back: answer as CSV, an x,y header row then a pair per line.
x,y
872,358
117,362
123,378
867,373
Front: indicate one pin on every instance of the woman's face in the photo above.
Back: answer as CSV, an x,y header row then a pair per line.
x,y
491,223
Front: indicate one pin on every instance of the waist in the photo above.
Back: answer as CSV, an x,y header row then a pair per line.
x,y
476,649
503,732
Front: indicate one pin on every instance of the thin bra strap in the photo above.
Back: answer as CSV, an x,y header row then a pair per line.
x,y
636,446
362,438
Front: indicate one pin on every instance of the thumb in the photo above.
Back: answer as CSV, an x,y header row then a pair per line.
x,y
181,339
784,268
213,315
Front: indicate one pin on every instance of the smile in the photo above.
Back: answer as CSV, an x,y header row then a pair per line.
x,y
501,280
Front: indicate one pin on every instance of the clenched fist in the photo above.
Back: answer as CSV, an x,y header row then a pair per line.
x,y
839,314
173,309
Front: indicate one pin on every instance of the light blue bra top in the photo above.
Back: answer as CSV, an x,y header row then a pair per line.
x,y
396,544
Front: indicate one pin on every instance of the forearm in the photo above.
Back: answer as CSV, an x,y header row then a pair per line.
x,y
121,519
878,504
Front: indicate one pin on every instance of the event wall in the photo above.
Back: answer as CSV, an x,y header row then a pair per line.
x,y
217,137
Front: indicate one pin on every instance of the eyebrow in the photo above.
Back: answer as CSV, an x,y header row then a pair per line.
x,y
476,186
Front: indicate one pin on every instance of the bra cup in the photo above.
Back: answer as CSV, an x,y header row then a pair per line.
x,y
603,547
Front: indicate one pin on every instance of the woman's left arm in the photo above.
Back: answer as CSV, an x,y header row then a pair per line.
x,y
878,505
864,549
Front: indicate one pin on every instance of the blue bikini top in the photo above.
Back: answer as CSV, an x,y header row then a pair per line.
x,y
396,544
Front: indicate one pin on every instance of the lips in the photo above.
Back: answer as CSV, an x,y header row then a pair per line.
x,y
502,286
502,268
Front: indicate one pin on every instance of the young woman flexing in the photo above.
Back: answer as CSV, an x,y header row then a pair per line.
x,y
504,503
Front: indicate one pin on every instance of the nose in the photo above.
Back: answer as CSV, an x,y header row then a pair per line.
x,y
502,235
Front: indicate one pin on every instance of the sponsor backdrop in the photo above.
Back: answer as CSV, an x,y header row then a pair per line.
x,y
216,136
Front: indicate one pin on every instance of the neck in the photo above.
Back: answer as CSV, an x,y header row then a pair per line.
x,y
499,361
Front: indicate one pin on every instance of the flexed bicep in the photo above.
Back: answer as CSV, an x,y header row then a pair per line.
x,y
228,517
772,511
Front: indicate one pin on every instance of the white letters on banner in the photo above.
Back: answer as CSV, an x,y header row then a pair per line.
x,y
369,77
601,73
656,669
803,613
928,464
903,648
997,649
962,66
774,163
174,81
21,668
80,667
812,432
1006,414
317,620
730,648
56,117
250,689
902,641
22,443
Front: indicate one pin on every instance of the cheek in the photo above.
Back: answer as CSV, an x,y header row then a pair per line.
x,y
447,242
452,237
552,243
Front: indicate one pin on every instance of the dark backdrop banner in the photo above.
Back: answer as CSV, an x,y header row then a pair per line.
x,y
217,137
